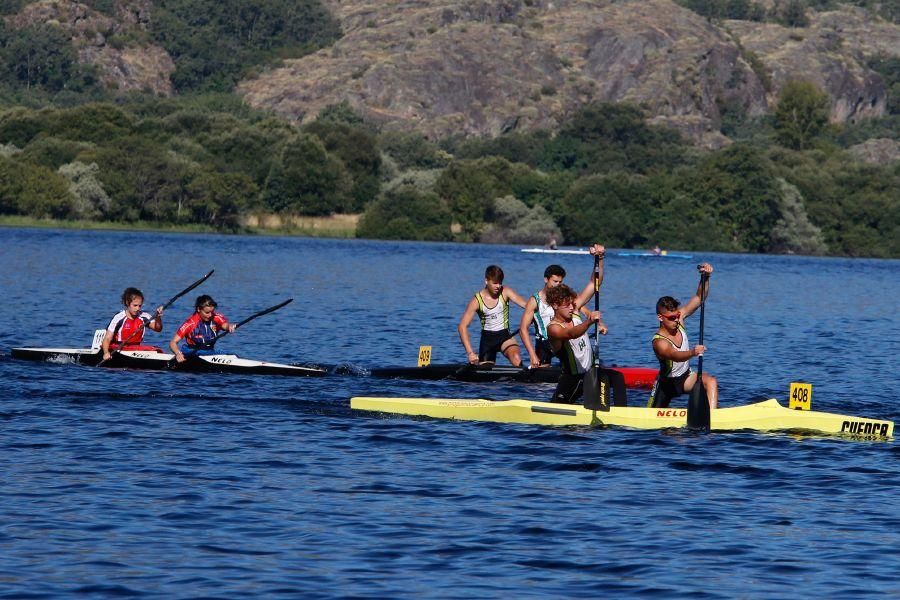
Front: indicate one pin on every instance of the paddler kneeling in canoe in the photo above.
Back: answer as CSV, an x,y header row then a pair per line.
x,y
200,330
670,344
126,329
492,305
537,311
568,333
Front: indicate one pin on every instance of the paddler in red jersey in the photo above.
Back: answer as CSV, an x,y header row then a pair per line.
x,y
670,344
126,329
199,331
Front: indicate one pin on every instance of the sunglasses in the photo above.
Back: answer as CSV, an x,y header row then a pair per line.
x,y
672,317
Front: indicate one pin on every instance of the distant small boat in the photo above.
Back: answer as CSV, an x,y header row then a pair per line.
x,y
637,253
554,251
662,254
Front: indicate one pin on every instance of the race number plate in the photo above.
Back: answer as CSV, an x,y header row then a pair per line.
x,y
800,396
424,356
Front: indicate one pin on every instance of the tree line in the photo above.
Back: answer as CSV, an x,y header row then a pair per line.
x,y
70,149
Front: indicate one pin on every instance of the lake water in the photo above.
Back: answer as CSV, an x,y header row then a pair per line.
x,y
175,485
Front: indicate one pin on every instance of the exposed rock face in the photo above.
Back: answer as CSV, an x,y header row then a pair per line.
x,y
479,67
128,68
830,53
476,67
878,151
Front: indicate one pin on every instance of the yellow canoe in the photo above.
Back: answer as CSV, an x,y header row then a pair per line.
x,y
767,415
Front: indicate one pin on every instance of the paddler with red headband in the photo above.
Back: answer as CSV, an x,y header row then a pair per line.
x,y
200,330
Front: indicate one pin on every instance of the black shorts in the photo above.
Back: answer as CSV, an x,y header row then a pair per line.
x,y
544,351
490,344
570,388
666,388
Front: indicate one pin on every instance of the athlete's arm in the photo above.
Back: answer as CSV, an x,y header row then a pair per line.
x,y
524,324
511,294
665,350
173,346
463,329
585,296
558,332
104,345
694,303
156,323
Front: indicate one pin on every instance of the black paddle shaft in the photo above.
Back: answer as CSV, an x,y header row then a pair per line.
x,y
698,416
704,279
250,318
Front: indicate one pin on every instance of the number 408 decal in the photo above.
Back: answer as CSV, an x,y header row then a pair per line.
x,y
800,396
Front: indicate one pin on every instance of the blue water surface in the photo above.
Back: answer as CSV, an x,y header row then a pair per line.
x,y
175,485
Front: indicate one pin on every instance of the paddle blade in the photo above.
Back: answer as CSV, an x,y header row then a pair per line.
x,y
596,389
698,408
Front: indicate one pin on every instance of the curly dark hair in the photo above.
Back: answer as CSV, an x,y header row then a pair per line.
x,y
560,295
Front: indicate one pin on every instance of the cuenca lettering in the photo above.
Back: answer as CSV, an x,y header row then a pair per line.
x,y
865,428
672,412
220,360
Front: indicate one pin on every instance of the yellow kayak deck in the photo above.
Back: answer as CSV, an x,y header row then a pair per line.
x,y
767,415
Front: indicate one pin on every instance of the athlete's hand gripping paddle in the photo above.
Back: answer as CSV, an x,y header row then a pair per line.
x,y
158,312
698,404
222,334
596,383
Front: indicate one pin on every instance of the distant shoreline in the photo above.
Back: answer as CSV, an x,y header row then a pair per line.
x,y
336,226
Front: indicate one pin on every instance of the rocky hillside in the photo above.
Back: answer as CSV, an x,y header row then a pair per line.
x,y
485,67
477,67
135,67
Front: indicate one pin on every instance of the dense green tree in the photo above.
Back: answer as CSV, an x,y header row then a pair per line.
x,y
406,213
307,180
616,208
603,138
739,189
220,199
213,41
33,190
53,152
358,149
142,179
469,187
801,114
19,126
412,150
39,55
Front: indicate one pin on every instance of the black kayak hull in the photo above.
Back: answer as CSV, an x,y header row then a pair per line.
x,y
635,377
157,361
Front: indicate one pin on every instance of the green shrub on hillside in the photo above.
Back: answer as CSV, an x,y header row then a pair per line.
x,y
305,179
213,41
406,213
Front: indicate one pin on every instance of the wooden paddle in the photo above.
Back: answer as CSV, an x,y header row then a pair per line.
x,y
698,404
596,383
156,314
222,334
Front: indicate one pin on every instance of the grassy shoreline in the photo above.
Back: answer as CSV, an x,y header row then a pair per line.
x,y
310,227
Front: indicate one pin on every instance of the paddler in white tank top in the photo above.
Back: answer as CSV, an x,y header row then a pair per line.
x,y
537,311
571,342
672,349
491,304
